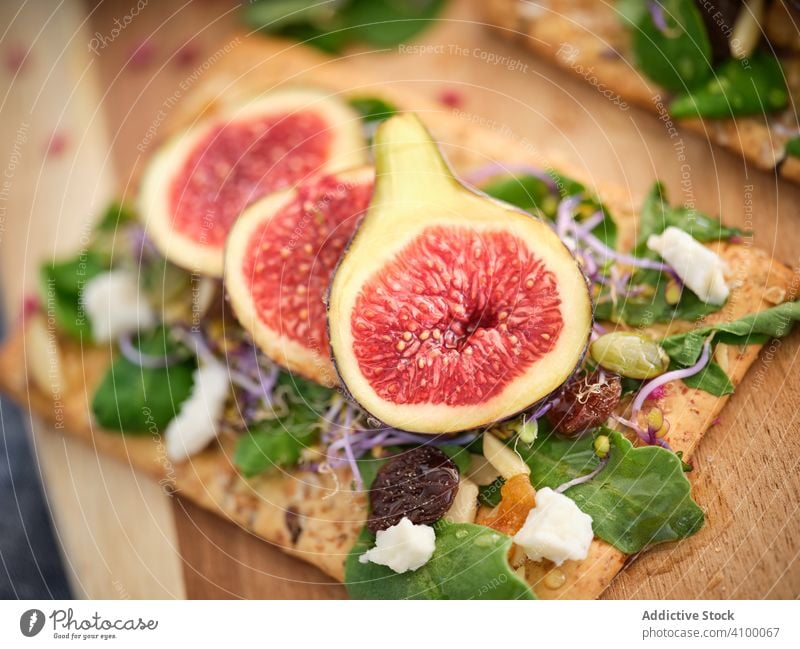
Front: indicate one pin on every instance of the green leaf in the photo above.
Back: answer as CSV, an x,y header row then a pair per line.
x,y
133,399
459,455
61,285
274,443
533,194
657,215
793,147
280,441
373,109
490,495
385,23
332,26
639,499
645,310
116,215
748,87
712,379
554,460
470,562
752,329
526,192
274,15
305,398
164,283
368,467
680,58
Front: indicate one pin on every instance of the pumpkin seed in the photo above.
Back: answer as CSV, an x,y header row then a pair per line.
x,y
630,354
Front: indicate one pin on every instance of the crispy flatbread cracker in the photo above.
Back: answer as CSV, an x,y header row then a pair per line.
x,y
316,517
586,37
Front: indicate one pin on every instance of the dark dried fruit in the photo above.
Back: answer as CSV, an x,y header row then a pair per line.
x,y
585,402
419,484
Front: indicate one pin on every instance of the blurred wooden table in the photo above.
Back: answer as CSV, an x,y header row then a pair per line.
x,y
85,96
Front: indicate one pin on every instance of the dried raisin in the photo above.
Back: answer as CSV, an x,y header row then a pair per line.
x,y
419,484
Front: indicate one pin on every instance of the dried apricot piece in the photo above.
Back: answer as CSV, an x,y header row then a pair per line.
x,y
517,498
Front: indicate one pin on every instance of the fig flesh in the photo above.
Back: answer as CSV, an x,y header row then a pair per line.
x,y
451,310
279,260
198,183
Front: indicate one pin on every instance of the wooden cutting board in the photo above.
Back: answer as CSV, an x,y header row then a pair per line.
x,y
85,100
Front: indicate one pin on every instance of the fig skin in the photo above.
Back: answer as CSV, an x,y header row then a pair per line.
x,y
552,249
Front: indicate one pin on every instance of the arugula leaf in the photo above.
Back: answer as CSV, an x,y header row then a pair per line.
x,y
680,56
751,87
134,399
793,147
280,441
524,191
554,460
657,215
274,15
459,455
116,214
712,379
385,23
490,495
368,467
470,562
274,442
373,109
639,499
333,26
753,329
61,284
534,195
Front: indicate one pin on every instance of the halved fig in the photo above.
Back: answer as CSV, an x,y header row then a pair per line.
x,y
279,260
199,182
451,310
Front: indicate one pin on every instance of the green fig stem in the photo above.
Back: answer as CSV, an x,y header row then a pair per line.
x,y
409,166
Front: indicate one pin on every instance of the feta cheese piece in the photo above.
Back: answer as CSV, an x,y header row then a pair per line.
x,y
701,269
195,425
114,306
555,529
402,547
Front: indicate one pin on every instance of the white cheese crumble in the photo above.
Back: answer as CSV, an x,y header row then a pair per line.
x,y
114,306
196,423
402,547
555,529
701,269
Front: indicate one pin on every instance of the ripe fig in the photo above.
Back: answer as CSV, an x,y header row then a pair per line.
x,y
451,310
198,183
279,260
